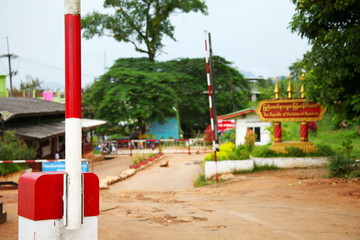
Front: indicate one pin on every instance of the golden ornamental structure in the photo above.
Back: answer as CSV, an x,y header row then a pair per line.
x,y
290,109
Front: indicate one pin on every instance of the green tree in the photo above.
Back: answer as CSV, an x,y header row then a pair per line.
x,y
31,84
13,148
333,64
129,95
231,88
142,23
136,90
266,88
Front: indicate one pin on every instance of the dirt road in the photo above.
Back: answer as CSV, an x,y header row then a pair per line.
x,y
159,203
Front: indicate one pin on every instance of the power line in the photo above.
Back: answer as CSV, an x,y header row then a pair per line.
x,y
51,66
9,57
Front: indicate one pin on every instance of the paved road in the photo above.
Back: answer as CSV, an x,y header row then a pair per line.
x,y
183,169
111,167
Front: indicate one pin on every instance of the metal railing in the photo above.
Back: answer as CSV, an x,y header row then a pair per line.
x,y
131,147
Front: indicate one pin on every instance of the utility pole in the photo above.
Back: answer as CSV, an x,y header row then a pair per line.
x,y
9,56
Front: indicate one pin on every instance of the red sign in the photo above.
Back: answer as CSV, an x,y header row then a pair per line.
x,y
224,125
289,110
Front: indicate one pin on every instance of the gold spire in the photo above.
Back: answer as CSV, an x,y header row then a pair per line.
x,y
289,89
302,91
276,90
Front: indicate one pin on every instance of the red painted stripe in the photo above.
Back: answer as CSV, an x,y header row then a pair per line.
x,y
30,161
40,195
234,115
73,66
211,113
209,91
207,68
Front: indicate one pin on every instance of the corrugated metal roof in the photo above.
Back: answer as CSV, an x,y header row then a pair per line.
x,y
235,114
41,130
30,107
47,130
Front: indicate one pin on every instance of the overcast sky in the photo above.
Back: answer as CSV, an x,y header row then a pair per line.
x,y
254,35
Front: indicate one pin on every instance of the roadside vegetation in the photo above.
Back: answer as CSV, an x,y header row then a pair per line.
x,y
13,148
333,139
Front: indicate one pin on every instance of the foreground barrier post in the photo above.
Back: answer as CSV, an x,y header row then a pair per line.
x,y
58,205
73,204
40,207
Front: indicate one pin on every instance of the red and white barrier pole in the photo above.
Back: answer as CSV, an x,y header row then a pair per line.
x,y
211,94
58,205
37,161
73,204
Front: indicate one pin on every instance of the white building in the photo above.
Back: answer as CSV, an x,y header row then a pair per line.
x,y
245,119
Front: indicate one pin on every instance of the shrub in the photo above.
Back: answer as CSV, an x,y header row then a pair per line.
x,y
340,166
293,152
263,151
240,153
13,148
249,140
324,150
10,167
220,156
202,181
227,147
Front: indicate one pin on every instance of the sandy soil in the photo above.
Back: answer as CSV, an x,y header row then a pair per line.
x,y
160,203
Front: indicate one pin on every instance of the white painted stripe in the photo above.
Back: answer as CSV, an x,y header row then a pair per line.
x,y
73,154
54,229
212,124
37,161
208,80
72,7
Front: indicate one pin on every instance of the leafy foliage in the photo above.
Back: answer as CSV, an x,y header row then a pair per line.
x,y
229,152
342,164
263,151
136,90
342,167
132,95
220,156
201,181
13,148
333,65
249,140
227,147
231,90
31,84
141,23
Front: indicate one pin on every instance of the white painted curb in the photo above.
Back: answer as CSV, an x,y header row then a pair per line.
x,y
229,166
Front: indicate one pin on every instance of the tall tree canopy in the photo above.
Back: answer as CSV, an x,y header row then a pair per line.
x,y
132,92
333,65
31,84
232,90
136,90
142,23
